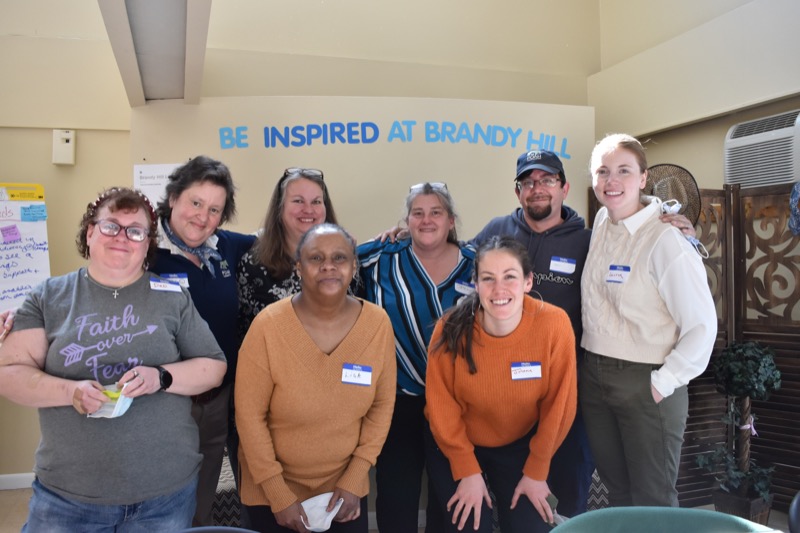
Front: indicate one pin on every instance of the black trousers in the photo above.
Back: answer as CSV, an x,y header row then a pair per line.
x,y
571,470
398,473
502,470
263,520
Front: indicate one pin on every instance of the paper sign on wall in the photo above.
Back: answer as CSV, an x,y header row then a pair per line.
x,y
24,252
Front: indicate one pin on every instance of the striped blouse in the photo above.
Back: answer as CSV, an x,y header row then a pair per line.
x,y
393,278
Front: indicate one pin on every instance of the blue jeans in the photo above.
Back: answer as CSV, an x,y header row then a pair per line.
x,y
52,513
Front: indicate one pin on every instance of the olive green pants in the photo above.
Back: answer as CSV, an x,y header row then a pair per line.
x,y
635,442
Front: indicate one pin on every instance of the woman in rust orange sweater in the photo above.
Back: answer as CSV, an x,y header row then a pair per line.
x,y
501,395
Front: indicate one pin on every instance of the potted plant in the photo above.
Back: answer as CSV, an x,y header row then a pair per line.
x,y
744,371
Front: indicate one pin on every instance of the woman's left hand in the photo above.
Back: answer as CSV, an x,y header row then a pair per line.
x,y
680,222
350,509
139,381
536,492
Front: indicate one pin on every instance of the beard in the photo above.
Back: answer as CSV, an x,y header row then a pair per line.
x,y
538,212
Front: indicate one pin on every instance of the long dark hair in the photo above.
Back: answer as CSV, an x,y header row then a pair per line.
x,y
270,248
458,323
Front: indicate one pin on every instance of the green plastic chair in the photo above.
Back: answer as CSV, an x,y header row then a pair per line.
x,y
657,520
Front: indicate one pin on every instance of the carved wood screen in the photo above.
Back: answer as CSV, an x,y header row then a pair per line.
x,y
766,267
704,428
754,274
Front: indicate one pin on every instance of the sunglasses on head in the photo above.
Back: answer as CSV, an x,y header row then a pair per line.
x,y
436,185
307,172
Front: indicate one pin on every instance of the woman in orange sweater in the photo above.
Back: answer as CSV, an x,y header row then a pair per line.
x,y
315,389
501,395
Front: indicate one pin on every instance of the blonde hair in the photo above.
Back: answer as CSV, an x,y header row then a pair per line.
x,y
615,141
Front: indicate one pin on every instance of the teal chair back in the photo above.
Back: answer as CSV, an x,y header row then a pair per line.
x,y
657,520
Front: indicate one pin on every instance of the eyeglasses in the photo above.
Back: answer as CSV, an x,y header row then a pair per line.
x,y
436,185
308,172
531,184
112,229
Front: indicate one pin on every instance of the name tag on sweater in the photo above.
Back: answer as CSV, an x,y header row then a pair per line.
x,y
168,286
618,273
526,370
356,375
564,265
180,277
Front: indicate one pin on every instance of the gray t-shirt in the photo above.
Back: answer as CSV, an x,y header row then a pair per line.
x,y
152,449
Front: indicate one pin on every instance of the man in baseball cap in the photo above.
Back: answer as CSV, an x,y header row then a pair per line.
x,y
542,160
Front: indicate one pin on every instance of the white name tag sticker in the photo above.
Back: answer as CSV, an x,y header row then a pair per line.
x,y
564,265
162,285
618,274
526,370
462,287
356,374
181,277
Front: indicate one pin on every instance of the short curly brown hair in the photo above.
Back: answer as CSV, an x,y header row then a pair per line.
x,y
118,199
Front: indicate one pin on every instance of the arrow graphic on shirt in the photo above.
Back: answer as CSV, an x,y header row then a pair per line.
x,y
74,352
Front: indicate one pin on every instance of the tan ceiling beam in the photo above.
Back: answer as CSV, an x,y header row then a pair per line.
x,y
115,17
198,13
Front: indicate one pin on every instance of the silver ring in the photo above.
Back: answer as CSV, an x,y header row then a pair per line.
x,y
135,374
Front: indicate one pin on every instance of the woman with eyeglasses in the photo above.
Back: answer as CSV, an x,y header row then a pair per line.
x,y
194,251
266,273
415,281
84,345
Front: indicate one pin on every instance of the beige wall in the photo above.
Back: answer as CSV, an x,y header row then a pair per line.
x,y
742,58
645,66
630,27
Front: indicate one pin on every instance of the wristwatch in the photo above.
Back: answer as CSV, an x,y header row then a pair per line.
x,y
164,377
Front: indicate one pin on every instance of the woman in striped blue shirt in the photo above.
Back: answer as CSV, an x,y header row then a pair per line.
x,y
415,280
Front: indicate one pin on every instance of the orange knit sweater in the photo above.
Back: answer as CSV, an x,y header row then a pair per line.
x,y
490,409
302,430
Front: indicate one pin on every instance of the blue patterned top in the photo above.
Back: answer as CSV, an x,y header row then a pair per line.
x,y
393,278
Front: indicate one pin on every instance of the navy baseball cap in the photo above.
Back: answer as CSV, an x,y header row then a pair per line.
x,y
541,159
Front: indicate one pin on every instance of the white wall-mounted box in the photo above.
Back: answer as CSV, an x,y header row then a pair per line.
x,y
63,147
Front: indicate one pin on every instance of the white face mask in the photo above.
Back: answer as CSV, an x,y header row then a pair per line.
x,y
318,518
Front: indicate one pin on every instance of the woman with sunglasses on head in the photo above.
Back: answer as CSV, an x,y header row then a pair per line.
x,y
266,273
415,281
85,344
194,251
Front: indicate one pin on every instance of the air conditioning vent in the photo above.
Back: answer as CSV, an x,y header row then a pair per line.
x,y
764,151
763,125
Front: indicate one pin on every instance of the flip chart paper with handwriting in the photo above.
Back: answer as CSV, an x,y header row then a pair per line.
x,y
24,255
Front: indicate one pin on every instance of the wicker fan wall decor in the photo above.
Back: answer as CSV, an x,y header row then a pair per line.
x,y
673,182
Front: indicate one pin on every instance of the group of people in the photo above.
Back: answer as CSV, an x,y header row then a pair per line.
x,y
501,367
